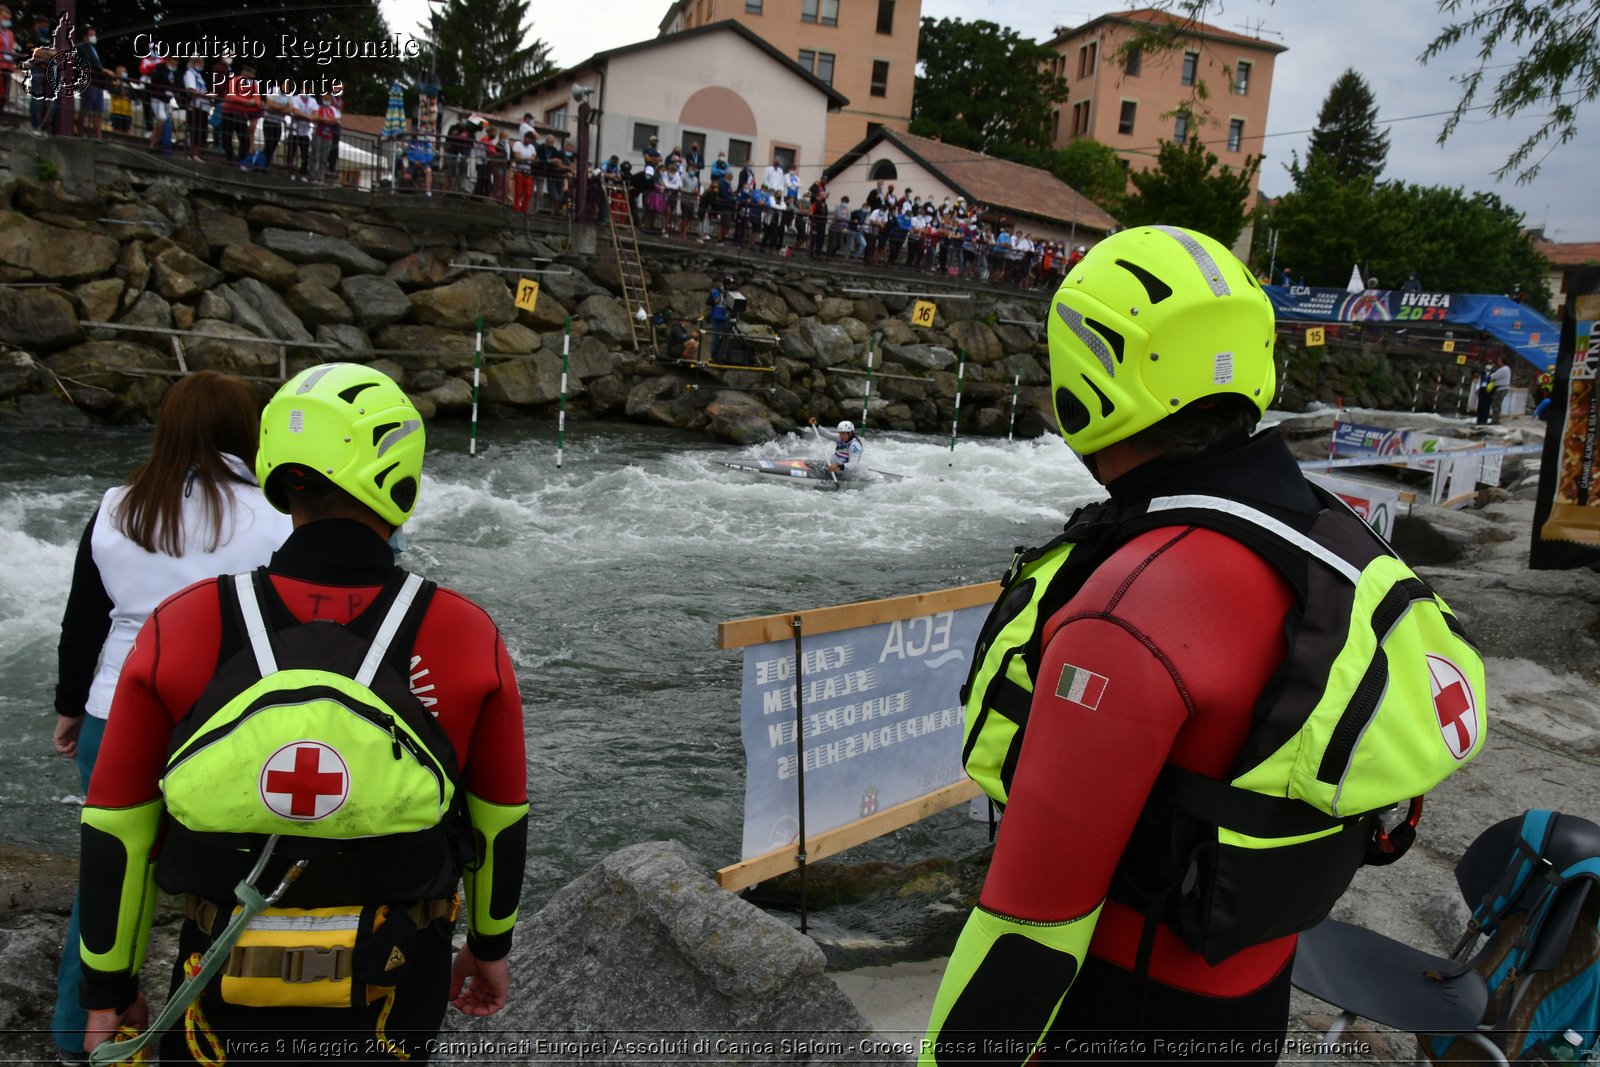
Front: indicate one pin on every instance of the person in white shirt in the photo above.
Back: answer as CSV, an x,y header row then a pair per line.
x,y
523,153
198,104
772,180
847,449
525,129
672,190
690,199
303,107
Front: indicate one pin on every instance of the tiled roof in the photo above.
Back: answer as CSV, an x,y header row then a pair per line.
x,y
1190,27
1570,254
995,183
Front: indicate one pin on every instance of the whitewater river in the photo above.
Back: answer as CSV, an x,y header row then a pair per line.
x,y
608,578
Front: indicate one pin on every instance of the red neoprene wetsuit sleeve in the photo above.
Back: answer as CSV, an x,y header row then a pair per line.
x,y
1160,658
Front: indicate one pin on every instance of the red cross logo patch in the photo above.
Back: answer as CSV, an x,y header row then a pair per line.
x,y
305,780
1455,706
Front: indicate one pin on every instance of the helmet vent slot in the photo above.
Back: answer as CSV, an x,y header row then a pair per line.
x,y
1070,410
349,395
1114,338
1157,289
381,475
1106,406
379,431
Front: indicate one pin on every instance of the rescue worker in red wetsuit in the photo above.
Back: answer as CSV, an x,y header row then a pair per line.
x,y
1161,362
341,452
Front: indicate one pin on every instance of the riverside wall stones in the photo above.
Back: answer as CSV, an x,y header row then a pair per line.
x,y
367,275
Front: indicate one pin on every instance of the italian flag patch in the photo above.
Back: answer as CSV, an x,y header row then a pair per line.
x,y
1081,686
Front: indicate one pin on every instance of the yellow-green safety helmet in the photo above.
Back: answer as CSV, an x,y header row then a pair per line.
x,y
355,427
1150,321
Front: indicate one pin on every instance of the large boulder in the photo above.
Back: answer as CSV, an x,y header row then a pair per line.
x,y
739,418
383,242
212,305
830,341
280,320
267,215
97,371
982,346
242,311
607,318
375,302
547,313
99,299
248,260
928,357
607,395
450,395
231,349
34,250
512,339
460,304
428,347
834,308
57,198
896,332
702,966
527,381
149,310
317,305
591,359
137,222
352,341
133,267
764,307
220,228
326,275
567,285
200,273
300,247
1031,370
685,280
20,374
426,268
38,320
668,401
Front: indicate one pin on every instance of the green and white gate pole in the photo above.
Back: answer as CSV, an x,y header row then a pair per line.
x,y
961,373
561,415
866,397
477,374
1016,387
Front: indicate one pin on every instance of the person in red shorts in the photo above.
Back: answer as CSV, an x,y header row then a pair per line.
x,y
341,452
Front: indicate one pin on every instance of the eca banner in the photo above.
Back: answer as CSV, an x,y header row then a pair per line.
x,y
880,722
1515,325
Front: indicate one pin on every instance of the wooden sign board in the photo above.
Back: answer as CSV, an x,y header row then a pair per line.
x,y
527,294
922,313
1315,337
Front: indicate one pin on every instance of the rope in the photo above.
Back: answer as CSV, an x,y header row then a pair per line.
x,y
196,1027
385,1042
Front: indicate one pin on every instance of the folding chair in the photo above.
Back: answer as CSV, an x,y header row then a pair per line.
x,y
1367,975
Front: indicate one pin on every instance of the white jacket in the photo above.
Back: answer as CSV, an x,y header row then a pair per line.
x,y
137,581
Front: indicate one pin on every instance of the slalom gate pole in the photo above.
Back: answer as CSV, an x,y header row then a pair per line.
x,y
955,419
800,760
561,415
1016,387
1333,441
1461,395
1416,390
477,374
866,394
1438,384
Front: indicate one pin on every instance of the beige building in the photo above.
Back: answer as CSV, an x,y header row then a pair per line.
x,y
719,86
867,49
1210,81
1021,199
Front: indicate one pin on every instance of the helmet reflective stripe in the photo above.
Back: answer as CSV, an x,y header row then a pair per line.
x,y
1202,258
313,378
1090,339
407,428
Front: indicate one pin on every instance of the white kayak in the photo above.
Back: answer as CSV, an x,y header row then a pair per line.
x,y
812,475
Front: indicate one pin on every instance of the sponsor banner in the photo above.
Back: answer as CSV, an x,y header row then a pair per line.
x,y
880,722
1406,446
1375,504
1567,515
1515,325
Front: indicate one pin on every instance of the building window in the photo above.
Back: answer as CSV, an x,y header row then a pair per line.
x,y
1235,134
824,11
692,140
1130,64
1080,117
1241,78
642,132
825,67
784,157
1094,55
1125,120
880,77
1055,124
752,7
873,127
882,171
1191,63
808,60
556,117
1180,128
1083,61
885,16
738,152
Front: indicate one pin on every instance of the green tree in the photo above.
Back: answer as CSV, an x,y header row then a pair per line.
x,y
984,87
1094,169
1186,188
1346,139
1456,241
481,51
1556,65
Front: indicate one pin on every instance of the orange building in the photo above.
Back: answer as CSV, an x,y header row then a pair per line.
x,y
865,49
1210,81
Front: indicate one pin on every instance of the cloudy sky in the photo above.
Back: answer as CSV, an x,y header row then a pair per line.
x,y
1379,38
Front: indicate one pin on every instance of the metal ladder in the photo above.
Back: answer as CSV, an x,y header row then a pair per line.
x,y
630,267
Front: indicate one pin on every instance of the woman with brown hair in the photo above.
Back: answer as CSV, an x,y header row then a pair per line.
x,y
190,511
